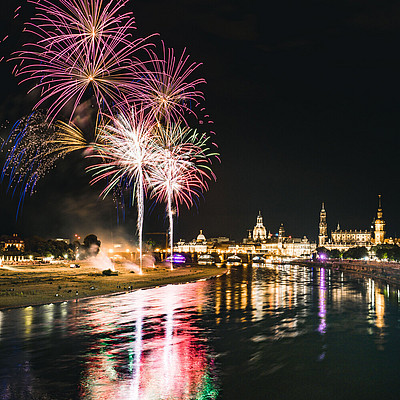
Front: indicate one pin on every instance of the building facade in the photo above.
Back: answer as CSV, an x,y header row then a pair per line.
x,y
323,227
379,225
14,241
259,231
280,245
344,239
198,245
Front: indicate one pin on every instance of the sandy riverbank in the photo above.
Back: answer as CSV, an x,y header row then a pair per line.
x,y
42,284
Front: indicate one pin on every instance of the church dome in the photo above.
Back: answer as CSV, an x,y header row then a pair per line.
x,y
201,237
259,231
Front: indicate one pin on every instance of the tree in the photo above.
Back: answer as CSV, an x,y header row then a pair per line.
x,y
39,247
335,253
356,253
387,252
91,245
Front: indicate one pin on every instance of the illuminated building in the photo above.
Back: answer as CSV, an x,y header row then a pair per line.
x,y
344,239
352,237
323,227
258,242
67,241
198,245
279,245
259,231
379,225
12,241
282,246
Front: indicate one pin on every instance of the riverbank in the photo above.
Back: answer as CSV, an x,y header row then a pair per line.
x,y
25,285
385,271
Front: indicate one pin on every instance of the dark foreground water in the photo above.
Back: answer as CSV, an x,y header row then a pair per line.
x,y
258,333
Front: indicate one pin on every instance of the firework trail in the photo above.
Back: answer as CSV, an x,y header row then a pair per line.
x,y
83,47
182,170
167,87
31,153
68,138
33,147
127,149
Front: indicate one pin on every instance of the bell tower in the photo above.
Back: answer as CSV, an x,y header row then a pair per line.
x,y
379,224
281,234
323,227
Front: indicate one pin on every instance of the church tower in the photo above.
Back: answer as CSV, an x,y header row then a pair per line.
x,y
379,224
281,234
323,227
259,231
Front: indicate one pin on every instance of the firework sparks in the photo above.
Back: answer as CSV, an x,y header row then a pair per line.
x,y
33,147
127,151
167,88
83,48
68,138
31,153
182,169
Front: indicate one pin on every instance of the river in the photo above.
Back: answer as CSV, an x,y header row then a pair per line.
x,y
274,332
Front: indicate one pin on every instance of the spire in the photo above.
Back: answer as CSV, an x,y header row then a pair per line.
x,y
323,227
259,219
379,224
379,214
338,226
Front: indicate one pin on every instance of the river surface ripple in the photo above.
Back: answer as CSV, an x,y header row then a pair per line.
x,y
274,332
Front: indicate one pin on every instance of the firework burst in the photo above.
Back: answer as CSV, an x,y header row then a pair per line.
x,y
182,169
69,138
83,47
86,49
31,152
167,87
33,148
127,150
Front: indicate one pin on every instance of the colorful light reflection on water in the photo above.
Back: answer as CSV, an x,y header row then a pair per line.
x,y
136,346
276,332
162,359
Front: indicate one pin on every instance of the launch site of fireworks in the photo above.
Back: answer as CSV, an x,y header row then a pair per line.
x,y
199,200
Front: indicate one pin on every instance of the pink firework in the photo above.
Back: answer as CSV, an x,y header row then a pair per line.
x,y
182,169
83,47
168,88
126,147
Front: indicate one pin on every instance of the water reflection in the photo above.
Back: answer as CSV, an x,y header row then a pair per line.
x,y
322,302
163,357
239,336
279,289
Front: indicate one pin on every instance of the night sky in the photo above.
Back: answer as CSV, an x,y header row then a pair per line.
x,y
304,96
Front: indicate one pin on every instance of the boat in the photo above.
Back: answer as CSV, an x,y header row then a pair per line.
x,y
234,261
176,258
206,259
258,260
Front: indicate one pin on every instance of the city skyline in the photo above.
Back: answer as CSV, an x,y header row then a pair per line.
x,y
259,231
304,108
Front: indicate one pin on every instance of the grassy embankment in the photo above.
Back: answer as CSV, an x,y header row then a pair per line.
x,y
42,284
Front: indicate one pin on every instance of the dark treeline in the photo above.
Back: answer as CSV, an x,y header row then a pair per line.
x,y
38,247
390,252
